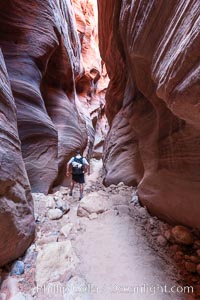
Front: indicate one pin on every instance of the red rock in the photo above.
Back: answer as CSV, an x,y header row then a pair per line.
x,y
16,212
182,235
198,269
190,267
152,59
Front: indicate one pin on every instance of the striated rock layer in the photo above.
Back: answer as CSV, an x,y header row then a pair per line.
x,y
46,57
151,51
16,206
52,99
42,55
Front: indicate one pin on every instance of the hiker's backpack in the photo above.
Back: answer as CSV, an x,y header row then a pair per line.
x,y
77,166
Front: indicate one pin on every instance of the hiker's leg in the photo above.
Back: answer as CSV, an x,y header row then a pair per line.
x,y
81,190
71,187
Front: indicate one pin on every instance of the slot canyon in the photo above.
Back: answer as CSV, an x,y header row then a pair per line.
x,y
119,81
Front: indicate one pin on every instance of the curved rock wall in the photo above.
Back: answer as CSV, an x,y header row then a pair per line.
x,y
51,59
16,206
151,51
42,55
52,98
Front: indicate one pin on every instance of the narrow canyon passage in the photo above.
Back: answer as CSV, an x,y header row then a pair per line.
x,y
104,248
116,257
107,248
113,253
117,81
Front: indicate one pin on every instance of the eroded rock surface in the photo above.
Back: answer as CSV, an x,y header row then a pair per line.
x,y
48,270
93,203
42,55
55,74
45,96
16,205
151,51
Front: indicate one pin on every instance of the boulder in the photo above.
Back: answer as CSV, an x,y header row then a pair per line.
x,y
63,206
182,235
50,203
54,214
92,203
55,260
18,268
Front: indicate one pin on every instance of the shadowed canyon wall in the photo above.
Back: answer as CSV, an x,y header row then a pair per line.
x,y
52,101
151,51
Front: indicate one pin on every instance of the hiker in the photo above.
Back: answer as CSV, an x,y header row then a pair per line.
x,y
80,166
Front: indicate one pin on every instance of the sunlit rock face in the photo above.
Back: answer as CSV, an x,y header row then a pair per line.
x,y
92,82
16,207
151,51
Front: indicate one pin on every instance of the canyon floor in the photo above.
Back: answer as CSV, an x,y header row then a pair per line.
x,y
104,248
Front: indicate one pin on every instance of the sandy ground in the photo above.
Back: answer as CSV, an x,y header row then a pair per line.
x,y
116,258
117,261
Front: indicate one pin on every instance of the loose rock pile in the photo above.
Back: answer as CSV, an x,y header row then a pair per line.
x,y
178,243
59,219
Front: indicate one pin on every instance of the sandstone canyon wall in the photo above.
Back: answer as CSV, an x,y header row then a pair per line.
x,y
42,55
91,85
53,65
52,99
151,51
16,207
